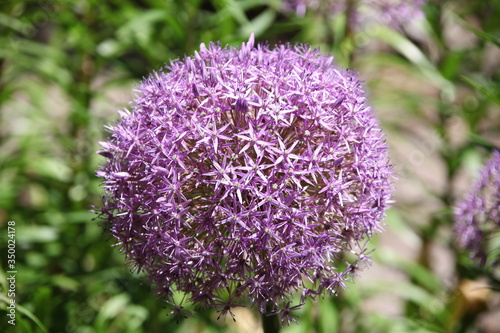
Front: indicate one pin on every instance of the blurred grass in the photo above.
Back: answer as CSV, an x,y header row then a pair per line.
x,y
67,66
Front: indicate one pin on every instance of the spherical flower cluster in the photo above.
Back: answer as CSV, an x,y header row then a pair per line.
x,y
249,173
394,13
477,216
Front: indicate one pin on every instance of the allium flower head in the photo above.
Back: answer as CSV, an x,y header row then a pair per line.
x,y
394,13
477,216
246,173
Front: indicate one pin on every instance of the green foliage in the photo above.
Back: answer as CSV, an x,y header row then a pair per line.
x,y
66,66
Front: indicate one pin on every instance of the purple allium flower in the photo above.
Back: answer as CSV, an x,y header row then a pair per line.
x,y
300,7
394,13
477,216
247,173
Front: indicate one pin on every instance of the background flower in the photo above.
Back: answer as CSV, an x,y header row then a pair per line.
x,y
394,13
477,216
247,172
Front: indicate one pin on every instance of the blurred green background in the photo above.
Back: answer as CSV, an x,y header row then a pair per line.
x,y
67,66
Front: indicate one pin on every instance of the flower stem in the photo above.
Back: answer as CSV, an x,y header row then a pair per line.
x,y
270,323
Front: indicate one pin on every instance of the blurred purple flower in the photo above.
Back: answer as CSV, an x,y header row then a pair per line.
x,y
477,216
395,13
247,173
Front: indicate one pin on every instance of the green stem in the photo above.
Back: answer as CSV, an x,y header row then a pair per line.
x,y
270,323
350,30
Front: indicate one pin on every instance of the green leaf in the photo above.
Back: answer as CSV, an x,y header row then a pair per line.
x,y
481,141
51,168
234,9
489,89
65,282
36,234
140,29
13,23
113,306
259,24
417,57
329,316
451,65
109,48
136,315
487,37
22,310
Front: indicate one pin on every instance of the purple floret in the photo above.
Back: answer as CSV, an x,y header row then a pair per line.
x,y
247,174
477,216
